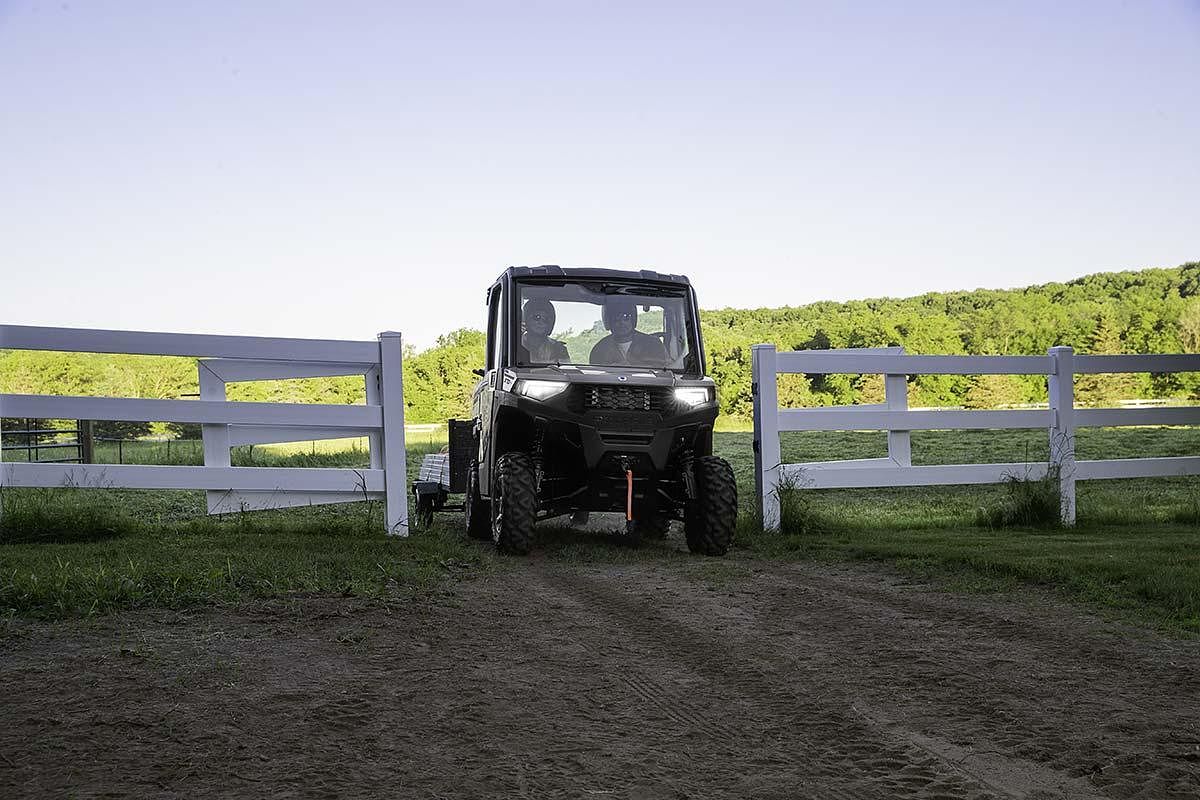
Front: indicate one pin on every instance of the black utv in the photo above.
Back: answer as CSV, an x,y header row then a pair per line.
x,y
594,399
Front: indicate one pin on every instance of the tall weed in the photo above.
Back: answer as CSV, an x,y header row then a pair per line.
x,y
799,514
1027,502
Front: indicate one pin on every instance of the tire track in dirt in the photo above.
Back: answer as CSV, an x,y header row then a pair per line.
x,y
1001,733
1003,774
813,731
1042,682
630,734
653,691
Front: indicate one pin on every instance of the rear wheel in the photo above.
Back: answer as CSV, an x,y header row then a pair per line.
x,y
514,503
479,523
711,517
424,504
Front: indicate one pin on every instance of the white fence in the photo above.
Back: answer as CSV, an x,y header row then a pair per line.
x,y
225,424
1060,365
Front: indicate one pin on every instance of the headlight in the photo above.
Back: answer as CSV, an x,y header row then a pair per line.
x,y
693,395
540,390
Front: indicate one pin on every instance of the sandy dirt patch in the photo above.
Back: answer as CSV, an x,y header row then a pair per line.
x,y
653,680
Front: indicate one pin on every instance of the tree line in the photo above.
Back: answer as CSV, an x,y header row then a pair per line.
x,y
1142,311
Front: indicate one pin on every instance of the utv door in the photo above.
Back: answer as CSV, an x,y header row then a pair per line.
x,y
483,401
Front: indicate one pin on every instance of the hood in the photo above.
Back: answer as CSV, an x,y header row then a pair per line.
x,y
629,376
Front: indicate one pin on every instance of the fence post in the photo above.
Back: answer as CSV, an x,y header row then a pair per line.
x,y
87,441
374,440
896,395
764,389
1061,385
391,386
215,436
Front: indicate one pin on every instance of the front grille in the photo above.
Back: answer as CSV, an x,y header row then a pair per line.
x,y
624,398
627,421
627,439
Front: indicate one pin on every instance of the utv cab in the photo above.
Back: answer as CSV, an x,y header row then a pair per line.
x,y
594,398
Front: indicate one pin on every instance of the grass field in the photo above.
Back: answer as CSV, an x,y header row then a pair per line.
x,y
65,552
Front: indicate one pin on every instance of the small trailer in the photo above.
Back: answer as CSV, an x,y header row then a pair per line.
x,y
436,480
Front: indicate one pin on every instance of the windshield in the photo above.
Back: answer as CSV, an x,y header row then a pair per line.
x,y
605,323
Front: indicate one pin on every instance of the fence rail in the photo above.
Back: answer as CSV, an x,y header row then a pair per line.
x,y
1061,419
141,476
197,345
225,359
240,413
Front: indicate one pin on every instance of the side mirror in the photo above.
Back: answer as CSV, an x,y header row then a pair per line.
x,y
479,372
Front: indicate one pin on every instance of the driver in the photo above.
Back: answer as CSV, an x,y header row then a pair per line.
x,y
625,345
538,318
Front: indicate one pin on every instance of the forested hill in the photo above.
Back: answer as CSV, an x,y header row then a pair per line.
x,y
1143,311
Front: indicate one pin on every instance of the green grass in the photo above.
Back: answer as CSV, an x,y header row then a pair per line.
x,y
106,561
1134,550
72,551
1133,501
69,552
1149,573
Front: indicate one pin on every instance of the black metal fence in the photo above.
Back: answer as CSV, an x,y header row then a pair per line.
x,y
31,437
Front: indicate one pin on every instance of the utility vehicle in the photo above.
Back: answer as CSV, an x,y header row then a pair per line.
x,y
593,399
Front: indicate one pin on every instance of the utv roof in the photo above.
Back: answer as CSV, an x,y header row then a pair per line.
x,y
594,273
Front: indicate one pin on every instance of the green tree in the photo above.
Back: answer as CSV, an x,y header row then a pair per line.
x,y
109,429
1189,326
870,389
1105,389
438,382
994,391
794,391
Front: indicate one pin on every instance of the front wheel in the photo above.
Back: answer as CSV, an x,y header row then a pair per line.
x,y
655,526
514,503
711,517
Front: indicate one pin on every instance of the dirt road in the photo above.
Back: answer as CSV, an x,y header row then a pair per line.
x,y
641,681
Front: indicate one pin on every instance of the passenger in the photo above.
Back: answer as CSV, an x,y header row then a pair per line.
x,y
537,346
625,345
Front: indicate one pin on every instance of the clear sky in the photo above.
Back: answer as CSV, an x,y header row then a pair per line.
x,y
336,169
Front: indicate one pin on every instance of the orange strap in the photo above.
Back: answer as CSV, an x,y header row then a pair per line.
x,y
628,495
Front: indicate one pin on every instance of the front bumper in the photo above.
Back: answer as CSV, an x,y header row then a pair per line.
x,y
648,438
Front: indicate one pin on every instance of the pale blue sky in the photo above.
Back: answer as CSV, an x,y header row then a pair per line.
x,y
338,169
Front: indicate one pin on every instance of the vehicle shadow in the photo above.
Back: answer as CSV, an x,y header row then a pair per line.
x,y
603,539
